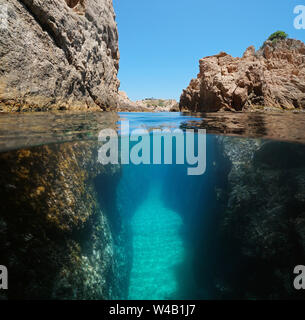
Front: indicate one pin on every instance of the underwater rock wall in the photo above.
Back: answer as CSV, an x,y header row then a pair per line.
x,y
56,238
244,222
60,55
260,236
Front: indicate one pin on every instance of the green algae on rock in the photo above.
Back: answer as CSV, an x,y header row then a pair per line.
x,y
56,239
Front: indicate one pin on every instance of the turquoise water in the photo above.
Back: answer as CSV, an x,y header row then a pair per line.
x,y
185,230
163,205
161,251
157,248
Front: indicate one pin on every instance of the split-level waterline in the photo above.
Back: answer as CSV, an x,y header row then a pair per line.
x,y
73,227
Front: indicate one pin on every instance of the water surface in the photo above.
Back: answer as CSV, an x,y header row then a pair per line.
x,y
237,231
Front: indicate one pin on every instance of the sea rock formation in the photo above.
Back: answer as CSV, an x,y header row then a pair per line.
x,y
273,76
59,55
57,236
260,233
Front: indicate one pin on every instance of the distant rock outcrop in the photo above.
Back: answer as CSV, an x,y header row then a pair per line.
x,y
146,105
59,55
273,76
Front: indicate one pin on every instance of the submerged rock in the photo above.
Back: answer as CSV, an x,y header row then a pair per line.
x,y
57,238
260,236
280,155
59,55
272,77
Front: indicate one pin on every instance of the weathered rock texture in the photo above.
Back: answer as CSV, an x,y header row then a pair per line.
x,y
260,236
273,77
59,54
57,237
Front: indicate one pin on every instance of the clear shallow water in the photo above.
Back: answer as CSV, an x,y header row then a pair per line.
x,y
152,120
32,129
237,231
158,248
163,205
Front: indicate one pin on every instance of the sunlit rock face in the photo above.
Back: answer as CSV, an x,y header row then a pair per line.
x,y
59,55
272,77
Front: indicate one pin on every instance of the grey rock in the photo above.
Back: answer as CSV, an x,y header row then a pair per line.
x,y
58,55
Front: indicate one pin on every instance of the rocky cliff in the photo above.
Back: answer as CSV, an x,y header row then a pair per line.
x,y
273,76
59,54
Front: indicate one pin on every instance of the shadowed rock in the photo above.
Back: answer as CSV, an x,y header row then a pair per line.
x,y
280,155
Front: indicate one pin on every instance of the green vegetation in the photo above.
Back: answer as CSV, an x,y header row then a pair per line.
x,y
155,102
278,35
275,37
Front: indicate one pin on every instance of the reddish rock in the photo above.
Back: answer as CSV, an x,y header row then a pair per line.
x,y
273,76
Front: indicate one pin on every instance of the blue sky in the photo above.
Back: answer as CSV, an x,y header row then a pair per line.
x,y
161,41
